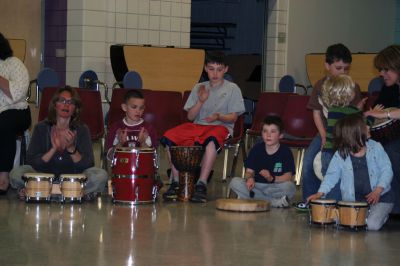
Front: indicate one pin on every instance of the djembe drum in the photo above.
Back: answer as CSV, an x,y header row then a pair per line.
x,y
385,130
186,159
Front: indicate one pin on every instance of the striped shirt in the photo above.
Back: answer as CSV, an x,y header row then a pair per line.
x,y
334,114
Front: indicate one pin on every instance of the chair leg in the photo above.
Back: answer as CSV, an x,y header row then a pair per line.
x,y
234,161
228,192
299,165
103,163
22,158
224,170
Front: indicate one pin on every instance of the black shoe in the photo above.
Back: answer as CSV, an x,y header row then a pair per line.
x,y
90,196
172,192
200,193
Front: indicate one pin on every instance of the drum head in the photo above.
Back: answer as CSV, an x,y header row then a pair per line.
x,y
382,122
352,204
44,176
324,202
71,177
242,205
134,149
317,165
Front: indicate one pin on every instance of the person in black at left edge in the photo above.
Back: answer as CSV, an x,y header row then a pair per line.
x,y
15,115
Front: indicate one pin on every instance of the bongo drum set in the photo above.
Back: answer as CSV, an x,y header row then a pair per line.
x,y
346,214
40,187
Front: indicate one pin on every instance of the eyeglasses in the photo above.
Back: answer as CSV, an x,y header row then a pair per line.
x,y
66,101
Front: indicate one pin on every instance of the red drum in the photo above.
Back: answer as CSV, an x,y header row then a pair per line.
x,y
133,175
385,130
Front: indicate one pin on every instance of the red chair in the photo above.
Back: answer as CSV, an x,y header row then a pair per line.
x,y
371,100
269,103
163,109
185,97
299,128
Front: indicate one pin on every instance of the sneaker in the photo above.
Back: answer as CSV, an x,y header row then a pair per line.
x,y
90,196
172,192
200,193
281,203
302,206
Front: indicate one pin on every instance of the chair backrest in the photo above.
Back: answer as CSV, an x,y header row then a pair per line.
x,y
185,97
47,77
375,84
88,79
47,94
238,130
92,112
163,108
269,103
371,100
132,80
298,120
115,113
287,84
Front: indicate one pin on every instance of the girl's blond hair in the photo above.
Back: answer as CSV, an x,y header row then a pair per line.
x,y
338,91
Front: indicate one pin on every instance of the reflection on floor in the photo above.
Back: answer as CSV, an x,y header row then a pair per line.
x,y
100,233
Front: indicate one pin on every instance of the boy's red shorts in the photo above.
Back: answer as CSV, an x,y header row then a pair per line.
x,y
190,134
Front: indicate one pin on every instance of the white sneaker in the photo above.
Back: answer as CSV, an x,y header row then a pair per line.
x,y
280,203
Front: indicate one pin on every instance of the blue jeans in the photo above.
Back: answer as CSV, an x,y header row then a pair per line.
x,y
393,151
310,182
326,157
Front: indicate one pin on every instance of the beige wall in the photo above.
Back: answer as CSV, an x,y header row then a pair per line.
x,y
362,25
21,19
94,25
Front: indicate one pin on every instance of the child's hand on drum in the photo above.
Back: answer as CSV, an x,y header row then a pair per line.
x,y
143,134
374,196
314,197
122,135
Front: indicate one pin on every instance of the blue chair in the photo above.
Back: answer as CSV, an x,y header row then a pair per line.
x,y
47,77
375,85
288,84
132,80
89,80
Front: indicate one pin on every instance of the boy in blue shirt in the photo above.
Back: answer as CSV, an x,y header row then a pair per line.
x,y
269,168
